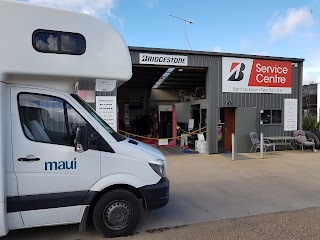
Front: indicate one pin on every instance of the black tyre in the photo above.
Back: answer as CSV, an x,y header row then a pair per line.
x,y
117,213
317,133
311,135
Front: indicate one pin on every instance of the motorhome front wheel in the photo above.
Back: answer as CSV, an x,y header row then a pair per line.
x,y
117,213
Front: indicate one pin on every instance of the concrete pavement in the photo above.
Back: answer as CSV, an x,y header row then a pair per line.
x,y
293,225
211,187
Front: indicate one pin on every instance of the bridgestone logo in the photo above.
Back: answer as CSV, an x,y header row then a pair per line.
x,y
237,71
159,59
163,59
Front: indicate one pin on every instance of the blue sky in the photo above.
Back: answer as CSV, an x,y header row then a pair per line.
x,y
274,28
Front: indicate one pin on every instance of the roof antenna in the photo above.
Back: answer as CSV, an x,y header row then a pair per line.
x,y
186,40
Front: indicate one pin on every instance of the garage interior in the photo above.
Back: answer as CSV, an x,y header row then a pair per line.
x,y
146,103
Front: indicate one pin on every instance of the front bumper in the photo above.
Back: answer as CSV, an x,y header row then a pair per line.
x,y
156,195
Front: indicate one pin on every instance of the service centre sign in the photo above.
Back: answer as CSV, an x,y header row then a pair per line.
x,y
243,75
161,59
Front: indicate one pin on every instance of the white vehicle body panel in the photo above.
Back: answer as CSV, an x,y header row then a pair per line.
x,y
96,170
15,220
63,215
106,55
3,145
35,190
31,175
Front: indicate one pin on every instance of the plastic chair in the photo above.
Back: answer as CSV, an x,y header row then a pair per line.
x,y
302,140
257,144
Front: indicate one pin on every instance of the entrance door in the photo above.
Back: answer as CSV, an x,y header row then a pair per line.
x,y
53,179
229,119
246,123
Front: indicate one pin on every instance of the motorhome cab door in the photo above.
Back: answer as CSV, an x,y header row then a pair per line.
x,y
53,179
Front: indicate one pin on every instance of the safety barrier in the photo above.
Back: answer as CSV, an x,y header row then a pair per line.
x,y
199,131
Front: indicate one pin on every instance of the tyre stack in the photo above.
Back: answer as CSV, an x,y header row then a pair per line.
x,y
315,135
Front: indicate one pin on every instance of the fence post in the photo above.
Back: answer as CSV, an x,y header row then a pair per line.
x,y
261,145
233,147
174,126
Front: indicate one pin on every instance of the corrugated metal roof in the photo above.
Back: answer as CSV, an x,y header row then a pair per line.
x,y
223,54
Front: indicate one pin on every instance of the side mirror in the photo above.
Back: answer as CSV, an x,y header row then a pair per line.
x,y
81,141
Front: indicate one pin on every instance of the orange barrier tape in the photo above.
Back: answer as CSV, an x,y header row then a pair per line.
x,y
187,133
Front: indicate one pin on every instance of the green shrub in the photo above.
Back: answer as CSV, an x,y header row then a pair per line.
x,y
309,122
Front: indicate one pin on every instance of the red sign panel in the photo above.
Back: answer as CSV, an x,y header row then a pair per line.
x,y
267,73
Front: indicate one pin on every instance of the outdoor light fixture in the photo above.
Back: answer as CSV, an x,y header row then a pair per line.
x,y
229,102
163,77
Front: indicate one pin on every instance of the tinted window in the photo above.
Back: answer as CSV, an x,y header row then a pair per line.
x,y
86,106
276,116
72,43
271,117
43,118
48,41
76,120
50,119
266,117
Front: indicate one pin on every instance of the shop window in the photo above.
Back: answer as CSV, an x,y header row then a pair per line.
x,y
276,116
271,117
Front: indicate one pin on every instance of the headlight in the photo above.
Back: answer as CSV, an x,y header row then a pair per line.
x,y
159,166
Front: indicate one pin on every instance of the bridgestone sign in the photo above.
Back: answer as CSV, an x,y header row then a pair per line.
x,y
244,75
160,59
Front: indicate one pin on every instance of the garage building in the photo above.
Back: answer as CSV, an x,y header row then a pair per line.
x,y
226,93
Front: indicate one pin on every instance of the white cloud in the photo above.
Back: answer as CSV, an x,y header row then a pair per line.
x,y
288,23
311,68
311,74
93,7
217,49
152,3
309,78
260,53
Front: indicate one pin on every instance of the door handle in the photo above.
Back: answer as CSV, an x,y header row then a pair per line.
x,y
29,158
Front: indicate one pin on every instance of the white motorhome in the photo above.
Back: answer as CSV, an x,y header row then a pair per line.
x,y
60,162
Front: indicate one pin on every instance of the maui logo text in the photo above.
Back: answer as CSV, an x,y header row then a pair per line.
x,y
61,165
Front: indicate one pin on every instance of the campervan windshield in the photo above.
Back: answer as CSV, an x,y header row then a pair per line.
x,y
92,112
